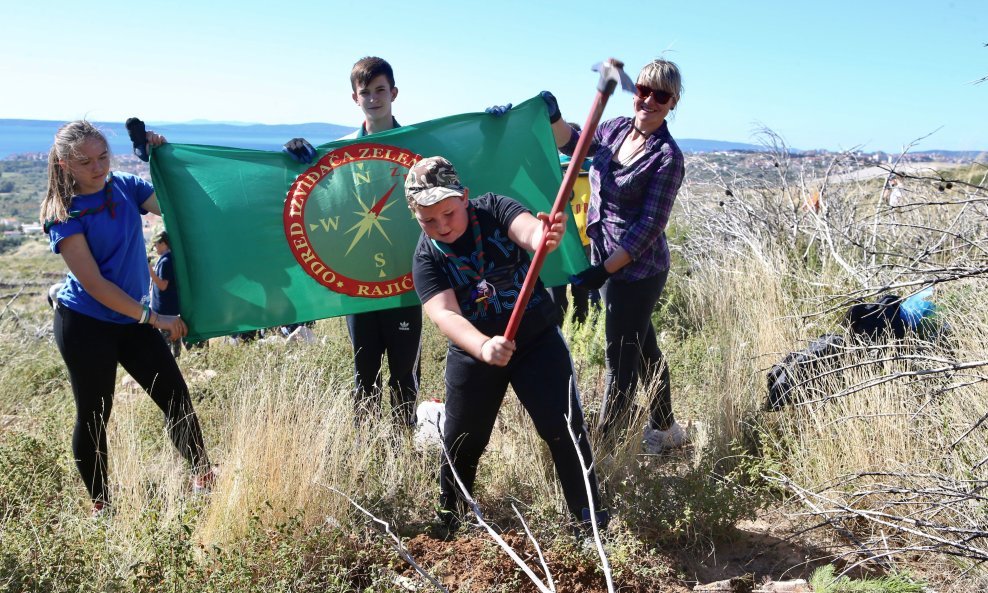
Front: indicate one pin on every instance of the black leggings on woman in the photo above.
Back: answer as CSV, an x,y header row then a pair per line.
x,y
633,352
541,374
91,349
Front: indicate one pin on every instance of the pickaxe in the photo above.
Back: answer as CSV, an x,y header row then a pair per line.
x,y
611,74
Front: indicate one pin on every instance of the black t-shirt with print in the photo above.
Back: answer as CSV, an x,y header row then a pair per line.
x,y
505,267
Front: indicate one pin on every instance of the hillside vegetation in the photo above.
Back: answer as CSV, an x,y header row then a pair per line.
x,y
875,471
24,179
22,186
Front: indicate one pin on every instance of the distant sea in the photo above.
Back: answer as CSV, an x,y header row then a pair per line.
x,y
19,136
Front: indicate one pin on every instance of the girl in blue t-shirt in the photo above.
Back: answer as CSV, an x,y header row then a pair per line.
x,y
102,315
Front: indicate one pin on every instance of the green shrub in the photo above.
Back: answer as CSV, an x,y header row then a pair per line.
x,y
824,581
705,500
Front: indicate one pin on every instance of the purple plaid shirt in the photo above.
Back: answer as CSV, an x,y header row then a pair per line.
x,y
630,205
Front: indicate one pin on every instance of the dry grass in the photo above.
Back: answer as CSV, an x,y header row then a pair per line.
x,y
887,457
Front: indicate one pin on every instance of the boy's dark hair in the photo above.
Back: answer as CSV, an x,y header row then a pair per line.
x,y
369,68
161,237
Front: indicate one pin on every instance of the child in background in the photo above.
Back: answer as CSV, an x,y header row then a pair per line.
x,y
164,291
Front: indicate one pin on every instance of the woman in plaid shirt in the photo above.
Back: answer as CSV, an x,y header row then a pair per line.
x,y
636,173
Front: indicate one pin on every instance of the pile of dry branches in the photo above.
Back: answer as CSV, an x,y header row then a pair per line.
x,y
887,448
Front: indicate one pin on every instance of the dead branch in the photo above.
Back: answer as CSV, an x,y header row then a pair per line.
x,y
399,546
587,470
876,381
11,301
820,513
475,508
959,544
535,543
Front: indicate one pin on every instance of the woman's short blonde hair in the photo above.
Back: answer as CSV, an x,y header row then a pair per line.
x,y
662,75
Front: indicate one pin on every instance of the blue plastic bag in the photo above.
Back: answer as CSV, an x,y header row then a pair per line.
x,y
917,307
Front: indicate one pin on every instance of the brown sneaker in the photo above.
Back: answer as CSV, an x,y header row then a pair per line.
x,y
101,509
203,483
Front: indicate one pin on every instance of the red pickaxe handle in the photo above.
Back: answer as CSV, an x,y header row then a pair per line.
x,y
562,198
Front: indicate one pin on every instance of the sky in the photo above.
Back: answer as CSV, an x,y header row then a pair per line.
x,y
836,75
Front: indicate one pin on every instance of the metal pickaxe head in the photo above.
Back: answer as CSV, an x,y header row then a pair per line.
x,y
611,75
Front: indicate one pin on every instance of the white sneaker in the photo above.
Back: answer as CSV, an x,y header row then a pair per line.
x,y
656,441
430,417
302,334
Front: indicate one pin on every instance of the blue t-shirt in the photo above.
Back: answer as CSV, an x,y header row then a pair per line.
x,y
165,301
116,240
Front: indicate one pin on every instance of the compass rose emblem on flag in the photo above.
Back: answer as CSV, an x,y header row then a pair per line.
x,y
347,222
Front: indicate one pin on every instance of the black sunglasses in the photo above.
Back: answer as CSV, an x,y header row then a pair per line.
x,y
661,97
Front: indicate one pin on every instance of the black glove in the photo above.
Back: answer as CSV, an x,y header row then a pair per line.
x,y
592,278
498,110
139,136
552,105
300,150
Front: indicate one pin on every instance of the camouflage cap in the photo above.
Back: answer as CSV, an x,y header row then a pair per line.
x,y
430,181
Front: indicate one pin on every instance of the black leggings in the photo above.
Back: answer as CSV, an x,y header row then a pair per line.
x,y
397,333
91,349
632,352
542,376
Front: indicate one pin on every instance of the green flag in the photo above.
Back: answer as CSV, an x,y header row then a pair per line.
x,y
260,240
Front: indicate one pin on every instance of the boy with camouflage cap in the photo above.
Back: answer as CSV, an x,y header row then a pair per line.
x,y
468,268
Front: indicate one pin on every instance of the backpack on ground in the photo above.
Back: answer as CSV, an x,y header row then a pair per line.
x,y
874,320
798,367
888,317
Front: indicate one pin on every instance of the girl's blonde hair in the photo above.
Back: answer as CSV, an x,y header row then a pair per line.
x,y
61,186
